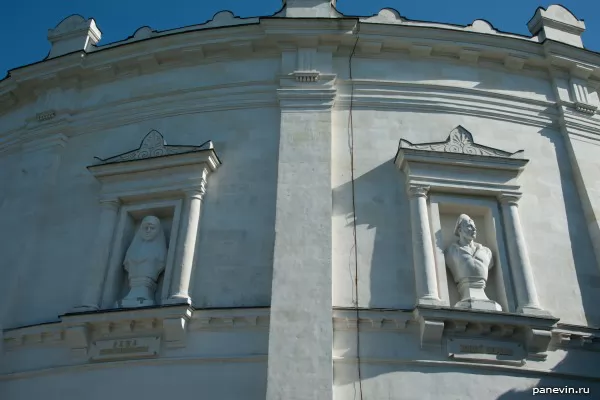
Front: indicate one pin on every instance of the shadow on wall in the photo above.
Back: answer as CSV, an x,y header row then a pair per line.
x,y
456,381
566,387
382,205
580,243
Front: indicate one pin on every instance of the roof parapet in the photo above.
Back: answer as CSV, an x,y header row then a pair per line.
x,y
557,23
309,8
73,33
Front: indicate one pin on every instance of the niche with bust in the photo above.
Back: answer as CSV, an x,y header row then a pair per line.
x,y
470,253
141,256
150,207
464,204
144,263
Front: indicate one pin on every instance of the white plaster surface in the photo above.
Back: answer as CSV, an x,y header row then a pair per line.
x,y
383,225
276,226
235,241
430,72
216,380
406,381
301,300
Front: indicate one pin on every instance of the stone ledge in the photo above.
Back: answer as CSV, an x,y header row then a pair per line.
x,y
78,330
534,333
371,320
575,337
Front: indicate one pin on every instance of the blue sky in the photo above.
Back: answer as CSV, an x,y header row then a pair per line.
x,y
24,24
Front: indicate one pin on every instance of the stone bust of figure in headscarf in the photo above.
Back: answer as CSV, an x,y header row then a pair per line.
x,y
469,263
144,262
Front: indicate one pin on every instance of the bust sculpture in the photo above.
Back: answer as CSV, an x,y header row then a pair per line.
x,y
144,261
469,263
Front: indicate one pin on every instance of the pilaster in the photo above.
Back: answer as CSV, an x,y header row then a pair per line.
x,y
301,331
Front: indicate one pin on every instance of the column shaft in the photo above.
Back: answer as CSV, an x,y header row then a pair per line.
x,y
182,272
423,255
527,298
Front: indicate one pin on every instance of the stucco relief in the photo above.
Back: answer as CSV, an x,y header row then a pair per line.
x,y
154,145
470,263
460,141
144,262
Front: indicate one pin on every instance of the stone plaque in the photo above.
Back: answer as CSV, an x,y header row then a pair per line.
x,y
117,349
486,350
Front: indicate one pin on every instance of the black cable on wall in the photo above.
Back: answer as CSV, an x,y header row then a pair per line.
x,y
355,244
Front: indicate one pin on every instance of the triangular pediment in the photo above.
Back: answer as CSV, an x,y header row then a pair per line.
x,y
460,141
154,145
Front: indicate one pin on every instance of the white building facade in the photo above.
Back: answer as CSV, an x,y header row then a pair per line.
x,y
302,206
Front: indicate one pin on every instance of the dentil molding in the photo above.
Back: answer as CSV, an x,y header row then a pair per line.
x,y
131,333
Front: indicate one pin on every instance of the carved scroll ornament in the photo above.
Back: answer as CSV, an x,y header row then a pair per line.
x,y
460,141
154,145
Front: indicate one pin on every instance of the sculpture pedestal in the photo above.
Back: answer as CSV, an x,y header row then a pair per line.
x,y
140,294
472,293
478,304
133,303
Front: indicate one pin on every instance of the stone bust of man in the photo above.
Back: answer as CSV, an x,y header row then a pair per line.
x,y
469,263
144,261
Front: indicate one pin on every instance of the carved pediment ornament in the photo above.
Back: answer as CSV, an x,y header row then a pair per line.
x,y
154,145
460,141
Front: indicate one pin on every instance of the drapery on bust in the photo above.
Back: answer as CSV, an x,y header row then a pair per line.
x,y
144,261
469,263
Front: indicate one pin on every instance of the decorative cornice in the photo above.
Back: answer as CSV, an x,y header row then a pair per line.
x,y
461,141
300,95
277,26
586,108
222,47
45,116
427,97
535,336
156,170
78,330
576,337
371,320
306,76
534,333
154,145
476,169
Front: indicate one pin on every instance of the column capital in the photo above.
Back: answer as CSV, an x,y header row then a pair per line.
x,y
110,202
509,198
417,190
196,192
